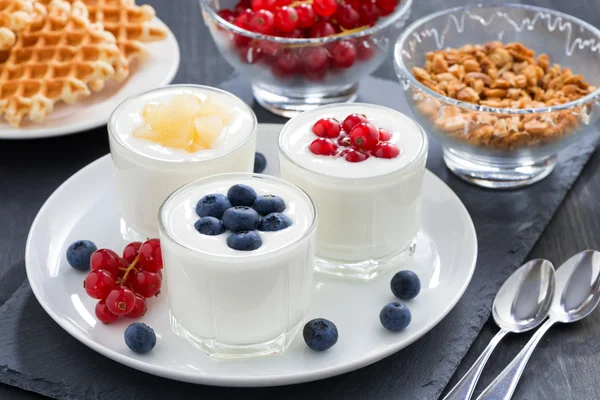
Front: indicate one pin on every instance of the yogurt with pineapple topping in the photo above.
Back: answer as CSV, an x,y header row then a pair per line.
x,y
369,210
146,171
233,303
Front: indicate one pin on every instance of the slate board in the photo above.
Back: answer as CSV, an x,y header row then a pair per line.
x,y
37,355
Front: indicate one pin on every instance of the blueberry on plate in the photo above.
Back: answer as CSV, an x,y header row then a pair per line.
x,y
405,285
140,338
212,205
241,195
244,241
268,204
239,219
209,226
395,316
79,254
260,162
274,222
320,334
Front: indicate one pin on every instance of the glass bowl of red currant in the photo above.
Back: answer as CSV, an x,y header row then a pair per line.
x,y
302,54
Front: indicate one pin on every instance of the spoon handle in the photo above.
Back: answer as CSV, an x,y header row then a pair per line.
x,y
464,388
503,387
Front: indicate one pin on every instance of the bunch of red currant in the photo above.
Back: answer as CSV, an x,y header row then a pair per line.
x,y
359,139
305,19
122,284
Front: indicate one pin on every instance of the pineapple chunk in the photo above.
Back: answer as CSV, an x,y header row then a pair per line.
x,y
208,130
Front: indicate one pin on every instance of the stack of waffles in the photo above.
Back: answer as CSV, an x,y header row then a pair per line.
x,y
64,50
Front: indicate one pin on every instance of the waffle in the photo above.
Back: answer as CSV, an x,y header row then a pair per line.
x,y
58,57
15,16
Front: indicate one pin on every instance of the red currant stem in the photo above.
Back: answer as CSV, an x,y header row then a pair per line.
x,y
129,269
350,31
297,3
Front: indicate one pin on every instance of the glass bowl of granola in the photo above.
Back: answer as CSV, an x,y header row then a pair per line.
x,y
505,105
296,57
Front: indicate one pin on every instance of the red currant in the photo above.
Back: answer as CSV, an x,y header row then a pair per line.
x,y
227,15
120,301
314,59
99,283
343,54
286,19
295,34
347,17
387,6
139,307
324,8
354,156
131,251
323,147
287,61
250,54
327,128
352,120
263,21
386,150
268,47
103,314
283,3
369,13
364,136
354,3
384,135
151,255
321,29
268,5
344,141
146,283
306,16
105,259
365,49
242,5
243,19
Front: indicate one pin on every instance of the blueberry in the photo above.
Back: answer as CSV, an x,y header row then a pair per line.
x,y
274,222
244,241
79,254
239,219
140,338
260,162
209,226
212,205
320,334
241,195
405,285
395,316
268,204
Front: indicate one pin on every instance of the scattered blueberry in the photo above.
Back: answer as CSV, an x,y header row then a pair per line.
x,y
239,219
268,204
320,334
241,195
395,316
79,254
274,222
244,241
209,226
140,338
405,285
260,162
212,205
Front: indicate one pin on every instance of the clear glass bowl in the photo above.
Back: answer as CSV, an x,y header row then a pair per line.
x,y
501,147
299,89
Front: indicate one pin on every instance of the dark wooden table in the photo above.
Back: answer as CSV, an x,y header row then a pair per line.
x,y
563,368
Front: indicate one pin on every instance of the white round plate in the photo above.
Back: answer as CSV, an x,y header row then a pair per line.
x,y
84,207
158,69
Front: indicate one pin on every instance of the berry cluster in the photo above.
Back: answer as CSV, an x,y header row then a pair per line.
x,y
305,19
396,316
122,284
356,135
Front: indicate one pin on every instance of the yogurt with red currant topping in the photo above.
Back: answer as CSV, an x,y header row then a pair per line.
x,y
369,208
146,171
232,303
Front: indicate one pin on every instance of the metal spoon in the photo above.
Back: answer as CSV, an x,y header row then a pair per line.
x,y
522,303
577,294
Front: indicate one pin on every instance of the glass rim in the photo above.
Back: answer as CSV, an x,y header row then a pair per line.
x,y
406,75
389,20
245,254
116,112
422,150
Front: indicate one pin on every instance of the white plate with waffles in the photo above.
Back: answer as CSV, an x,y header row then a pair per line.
x,y
158,69
85,206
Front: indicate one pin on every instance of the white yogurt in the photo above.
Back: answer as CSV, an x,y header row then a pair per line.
x,y
147,172
370,210
234,303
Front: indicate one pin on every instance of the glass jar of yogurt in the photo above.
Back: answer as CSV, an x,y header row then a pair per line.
x,y
237,303
146,171
369,210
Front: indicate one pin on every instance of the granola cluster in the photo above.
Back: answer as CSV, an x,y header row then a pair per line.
x,y
503,76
